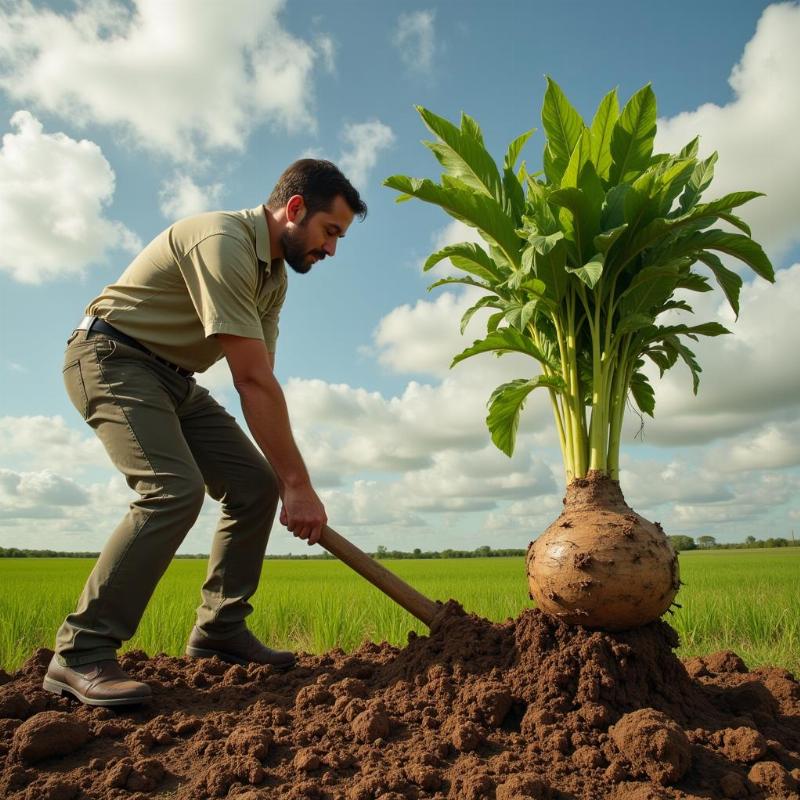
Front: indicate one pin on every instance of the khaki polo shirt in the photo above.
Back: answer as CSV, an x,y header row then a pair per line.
x,y
207,274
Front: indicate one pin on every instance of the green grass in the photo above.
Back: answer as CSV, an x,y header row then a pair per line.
x,y
745,600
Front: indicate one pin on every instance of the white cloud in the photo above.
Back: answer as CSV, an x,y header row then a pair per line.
x,y
415,39
327,49
37,442
175,76
180,197
747,379
363,143
756,132
53,194
775,446
26,494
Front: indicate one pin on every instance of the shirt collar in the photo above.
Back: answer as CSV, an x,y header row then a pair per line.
x,y
262,235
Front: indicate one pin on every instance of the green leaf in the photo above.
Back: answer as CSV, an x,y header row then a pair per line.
x,y
468,257
515,148
693,331
603,123
578,158
705,212
690,150
688,358
544,244
513,193
591,271
604,241
580,219
469,127
677,305
551,269
648,290
505,340
698,183
462,155
471,207
613,213
491,301
729,281
493,322
643,393
520,314
563,126
464,281
693,282
506,403
673,180
742,247
632,323
632,139
737,222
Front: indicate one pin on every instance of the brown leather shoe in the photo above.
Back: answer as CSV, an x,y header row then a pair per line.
x,y
103,683
243,648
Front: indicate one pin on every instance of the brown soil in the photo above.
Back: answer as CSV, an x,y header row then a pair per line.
x,y
527,709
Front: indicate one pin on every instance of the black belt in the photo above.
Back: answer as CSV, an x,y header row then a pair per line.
x,y
98,325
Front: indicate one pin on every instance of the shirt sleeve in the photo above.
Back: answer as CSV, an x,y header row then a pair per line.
x,y
221,276
269,321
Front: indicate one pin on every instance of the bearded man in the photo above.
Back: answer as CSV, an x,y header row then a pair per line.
x,y
208,287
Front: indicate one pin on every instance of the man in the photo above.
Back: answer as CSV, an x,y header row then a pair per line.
x,y
209,286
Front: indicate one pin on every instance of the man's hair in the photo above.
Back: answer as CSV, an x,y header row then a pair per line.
x,y
318,182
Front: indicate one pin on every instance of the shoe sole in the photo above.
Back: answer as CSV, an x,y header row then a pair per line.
x,y
56,687
229,658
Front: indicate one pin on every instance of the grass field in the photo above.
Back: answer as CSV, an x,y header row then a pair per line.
x,y
743,600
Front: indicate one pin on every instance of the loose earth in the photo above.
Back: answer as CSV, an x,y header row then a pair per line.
x,y
530,709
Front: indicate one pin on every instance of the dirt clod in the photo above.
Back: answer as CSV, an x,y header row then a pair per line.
x,y
653,744
46,735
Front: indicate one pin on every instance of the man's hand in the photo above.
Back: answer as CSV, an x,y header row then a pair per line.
x,y
303,513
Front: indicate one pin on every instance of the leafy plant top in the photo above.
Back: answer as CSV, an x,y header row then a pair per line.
x,y
582,259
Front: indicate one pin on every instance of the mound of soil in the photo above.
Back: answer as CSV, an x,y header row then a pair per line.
x,y
530,709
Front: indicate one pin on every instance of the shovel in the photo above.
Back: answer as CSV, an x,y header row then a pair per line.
x,y
404,595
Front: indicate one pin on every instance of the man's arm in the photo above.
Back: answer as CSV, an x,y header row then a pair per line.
x,y
265,411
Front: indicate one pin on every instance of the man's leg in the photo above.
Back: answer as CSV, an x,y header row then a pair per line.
x,y
238,475
131,402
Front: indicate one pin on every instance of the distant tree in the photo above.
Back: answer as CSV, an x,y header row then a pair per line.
x,y
680,542
707,542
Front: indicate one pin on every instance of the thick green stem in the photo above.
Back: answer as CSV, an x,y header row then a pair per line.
x,y
578,419
617,399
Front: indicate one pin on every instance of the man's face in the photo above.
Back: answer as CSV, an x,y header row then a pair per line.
x,y
315,237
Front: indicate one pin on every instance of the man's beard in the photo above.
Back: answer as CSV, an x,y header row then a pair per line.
x,y
295,252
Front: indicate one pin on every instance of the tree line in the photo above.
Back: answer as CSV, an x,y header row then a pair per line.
x,y
679,542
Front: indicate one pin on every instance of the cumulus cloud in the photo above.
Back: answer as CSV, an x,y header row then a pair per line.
x,y
415,39
26,494
54,191
37,442
747,378
176,76
363,142
180,197
755,133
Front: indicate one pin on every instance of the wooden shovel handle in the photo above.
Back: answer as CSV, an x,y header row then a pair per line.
x,y
409,598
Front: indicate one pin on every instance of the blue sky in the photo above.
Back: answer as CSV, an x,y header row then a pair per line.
x,y
126,116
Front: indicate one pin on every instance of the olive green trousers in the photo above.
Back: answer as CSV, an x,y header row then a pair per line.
x,y
173,443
